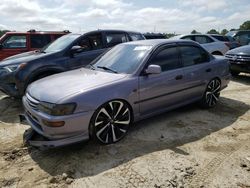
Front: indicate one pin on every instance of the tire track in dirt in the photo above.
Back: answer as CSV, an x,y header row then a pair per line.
x,y
201,179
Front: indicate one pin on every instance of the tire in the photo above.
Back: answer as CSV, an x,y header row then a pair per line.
x,y
235,73
212,94
110,122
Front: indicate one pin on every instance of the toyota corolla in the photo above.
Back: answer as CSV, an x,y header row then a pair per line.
x,y
131,82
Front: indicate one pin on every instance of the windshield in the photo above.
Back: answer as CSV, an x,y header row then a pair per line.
x,y
60,43
124,58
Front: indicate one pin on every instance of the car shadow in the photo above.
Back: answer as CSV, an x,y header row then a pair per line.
x,y
166,131
242,78
9,108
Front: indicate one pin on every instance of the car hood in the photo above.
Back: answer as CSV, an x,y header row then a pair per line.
x,y
244,50
59,86
23,58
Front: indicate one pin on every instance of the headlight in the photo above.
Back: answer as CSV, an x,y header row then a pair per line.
x,y
13,68
57,109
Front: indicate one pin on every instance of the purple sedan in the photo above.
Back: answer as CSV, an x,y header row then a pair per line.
x,y
130,82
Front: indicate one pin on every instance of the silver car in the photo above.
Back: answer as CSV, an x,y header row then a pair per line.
x,y
131,82
210,43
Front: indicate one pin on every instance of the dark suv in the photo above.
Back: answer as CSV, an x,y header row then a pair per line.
x,y
69,52
242,37
12,43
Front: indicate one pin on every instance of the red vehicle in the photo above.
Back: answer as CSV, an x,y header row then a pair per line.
x,y
12,43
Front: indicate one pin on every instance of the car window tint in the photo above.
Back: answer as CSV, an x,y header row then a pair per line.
x,y
167,58
85,44
203,39
188,38
39,41
220,38
135,36
15,41
191,55
115,38
96,41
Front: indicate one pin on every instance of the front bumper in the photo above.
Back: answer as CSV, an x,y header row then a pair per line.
x,y
240,66
8,85
74,130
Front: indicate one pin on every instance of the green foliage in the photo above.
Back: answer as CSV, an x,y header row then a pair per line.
x,y
169,35
195,32
245,25
213,31
224,32
2,32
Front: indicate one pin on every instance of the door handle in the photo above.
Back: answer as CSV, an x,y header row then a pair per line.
x,y
208,70
179,77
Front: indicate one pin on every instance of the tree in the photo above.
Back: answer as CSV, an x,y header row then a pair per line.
x,y
2,32
195,32
212,31
224,31
245,25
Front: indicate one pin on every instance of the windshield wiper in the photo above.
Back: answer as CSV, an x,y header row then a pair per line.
x,y
106,68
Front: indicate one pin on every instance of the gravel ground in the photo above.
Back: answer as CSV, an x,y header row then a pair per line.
x,y
188,147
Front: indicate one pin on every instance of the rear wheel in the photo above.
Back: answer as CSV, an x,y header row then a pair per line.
x,y
212,94
111,122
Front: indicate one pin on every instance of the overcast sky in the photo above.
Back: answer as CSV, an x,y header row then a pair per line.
x,y
180,16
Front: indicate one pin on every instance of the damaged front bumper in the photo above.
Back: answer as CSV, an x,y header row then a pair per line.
x,y
32,138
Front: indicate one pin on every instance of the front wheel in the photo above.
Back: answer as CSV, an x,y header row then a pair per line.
x,y
111,122
212,94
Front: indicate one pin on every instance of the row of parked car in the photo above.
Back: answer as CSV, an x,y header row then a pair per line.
x,y
125,79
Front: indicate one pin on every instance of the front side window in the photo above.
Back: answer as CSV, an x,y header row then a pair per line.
x,y
39,41
115,38
96,41
85,44
192,55
167,59
15,41
136,36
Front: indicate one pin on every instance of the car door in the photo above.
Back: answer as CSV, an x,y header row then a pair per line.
x,y
13,44
158,91
196,69
92,47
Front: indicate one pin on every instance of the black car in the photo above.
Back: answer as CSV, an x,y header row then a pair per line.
x,y
69,52
239,59
242,36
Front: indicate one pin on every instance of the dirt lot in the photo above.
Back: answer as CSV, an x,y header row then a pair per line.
x,y
188,147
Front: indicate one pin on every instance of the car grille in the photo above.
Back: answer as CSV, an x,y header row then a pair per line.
x,y
33,103
233,58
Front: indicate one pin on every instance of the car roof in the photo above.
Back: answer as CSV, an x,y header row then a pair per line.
x,y
38,32
157,42
111,30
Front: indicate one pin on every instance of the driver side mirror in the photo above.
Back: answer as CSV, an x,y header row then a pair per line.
x,y
76,49
153,69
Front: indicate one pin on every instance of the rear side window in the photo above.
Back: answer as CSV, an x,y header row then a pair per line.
x,y
39,41
203,39
167,59
15,41
192,55
96,41
136,36
220,38
115,38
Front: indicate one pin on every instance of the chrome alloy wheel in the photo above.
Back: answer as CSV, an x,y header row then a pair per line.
x,y
213,92
112,121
